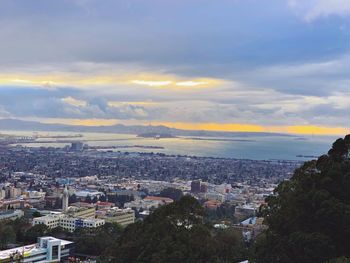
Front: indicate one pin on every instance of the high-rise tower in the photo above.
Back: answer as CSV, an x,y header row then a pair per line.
x,y
65,200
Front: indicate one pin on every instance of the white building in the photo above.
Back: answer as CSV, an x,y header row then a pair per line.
x,y
66,222
82,195
11,215
149,202
48,249
65,200
2,194
72,223
36,194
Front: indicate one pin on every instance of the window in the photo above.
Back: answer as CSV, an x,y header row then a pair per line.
x,y
55,252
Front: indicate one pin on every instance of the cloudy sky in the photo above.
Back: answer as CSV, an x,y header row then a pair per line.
x,y
240,65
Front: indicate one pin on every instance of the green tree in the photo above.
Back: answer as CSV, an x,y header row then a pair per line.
x,y
94,242
32,234
173,233
7,235
102,198
88,199
36,214
94,200
309,215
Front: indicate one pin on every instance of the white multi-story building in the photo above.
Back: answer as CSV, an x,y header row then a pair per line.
x,y
48,249
72,223
66,222
51,221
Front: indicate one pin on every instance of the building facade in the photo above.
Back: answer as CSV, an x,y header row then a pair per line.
x,y
48,249
68,223
11,215
123,217
65,200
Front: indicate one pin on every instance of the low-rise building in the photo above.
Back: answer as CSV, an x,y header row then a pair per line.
x,y
215,196
67,222
72,223
7,204
83,194
123,217
149,202
212,204
104,205
11,215
82,212
245,211
51,221
48,249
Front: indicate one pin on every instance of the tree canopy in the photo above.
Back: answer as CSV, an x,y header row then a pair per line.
x,y
309,215
176,233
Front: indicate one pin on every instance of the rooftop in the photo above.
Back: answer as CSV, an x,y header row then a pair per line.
x,y
159,198
29,249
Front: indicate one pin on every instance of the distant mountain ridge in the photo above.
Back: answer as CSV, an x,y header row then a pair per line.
x,y
20,125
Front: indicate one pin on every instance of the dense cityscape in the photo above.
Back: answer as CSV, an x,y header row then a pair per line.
x,y
77,186
174,131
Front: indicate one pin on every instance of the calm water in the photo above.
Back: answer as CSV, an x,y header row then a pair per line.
x,y
252,147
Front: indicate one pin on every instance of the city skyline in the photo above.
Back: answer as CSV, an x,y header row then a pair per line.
x,y
262,66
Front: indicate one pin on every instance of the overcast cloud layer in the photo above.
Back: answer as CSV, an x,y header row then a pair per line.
x,y
260,62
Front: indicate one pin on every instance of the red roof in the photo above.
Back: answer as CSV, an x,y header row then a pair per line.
x,y
212,204
159,198
81,204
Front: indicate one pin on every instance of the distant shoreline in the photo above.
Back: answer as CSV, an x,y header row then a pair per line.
x,y
219,139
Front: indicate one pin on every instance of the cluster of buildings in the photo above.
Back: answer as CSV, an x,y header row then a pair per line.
x,y
62,163
78,188
84,215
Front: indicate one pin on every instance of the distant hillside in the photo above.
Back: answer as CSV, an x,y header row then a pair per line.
x,y
19,125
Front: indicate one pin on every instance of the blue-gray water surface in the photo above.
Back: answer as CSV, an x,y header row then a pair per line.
x,y
240,147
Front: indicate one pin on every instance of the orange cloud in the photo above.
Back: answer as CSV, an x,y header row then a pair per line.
x,y
238,127
316,130
227,127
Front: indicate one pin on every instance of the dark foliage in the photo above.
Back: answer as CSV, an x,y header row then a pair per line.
x,y
309,217
176,233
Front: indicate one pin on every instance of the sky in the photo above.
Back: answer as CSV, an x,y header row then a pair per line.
x,y
232,65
